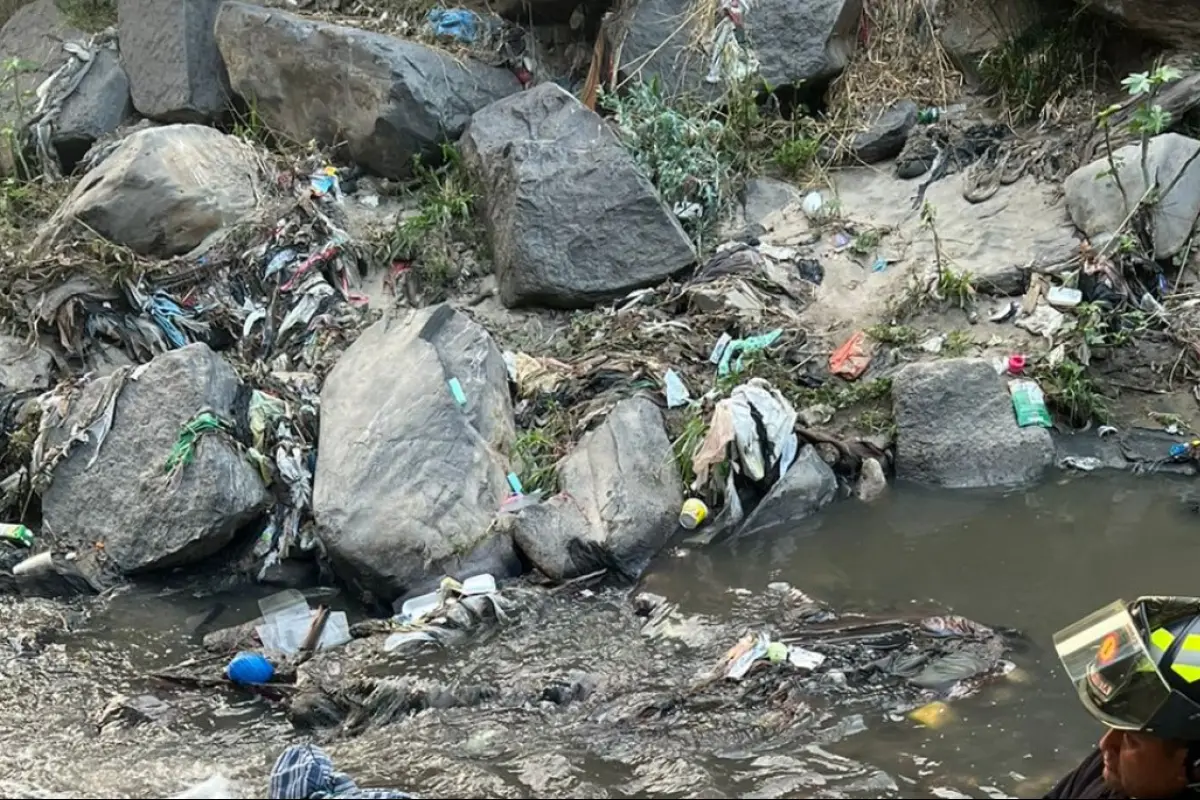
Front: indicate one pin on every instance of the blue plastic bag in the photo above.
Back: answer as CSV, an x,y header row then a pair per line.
x,y
455,23
249,668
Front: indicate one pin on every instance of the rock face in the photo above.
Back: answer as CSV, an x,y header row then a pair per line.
x,y
164,190
1097,206
793,42
808,486
408,482
1170,21
387,99
33,35
22,368
620,500
124,500
175,70
99,105
956,428
571,218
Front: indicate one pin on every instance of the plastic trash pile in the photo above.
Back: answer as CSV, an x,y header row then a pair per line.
x,y
751,443
455,605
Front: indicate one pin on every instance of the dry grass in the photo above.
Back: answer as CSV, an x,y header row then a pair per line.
x,y
898,56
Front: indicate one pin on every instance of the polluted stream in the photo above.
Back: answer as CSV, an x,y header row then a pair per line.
x,y
597,693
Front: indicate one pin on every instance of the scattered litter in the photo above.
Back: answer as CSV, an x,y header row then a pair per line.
x,y
305,770
1106,430
250,668
18,534
515,502
741,347
805,659
853,357
1029,403
1005,312
1016,364
677,391
693,513
812,206
515,483
1081,463
1063,297
454,23
880,264
719,348
811,270
534,376
399,639
1184,451
816,415
741,656
933,715
1044,321
457,392
288,621
731,61
934,343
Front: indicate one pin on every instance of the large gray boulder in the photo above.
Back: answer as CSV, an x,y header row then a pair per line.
x,y
1097,206
620,501
124,500
571,218
164,190
98,106
956,428
408,482
793,42
387,99
175,71
807,487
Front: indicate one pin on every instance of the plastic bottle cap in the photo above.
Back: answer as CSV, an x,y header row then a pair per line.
x,y
1016,364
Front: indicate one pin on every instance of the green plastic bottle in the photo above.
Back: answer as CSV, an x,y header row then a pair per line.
x,y
1029,403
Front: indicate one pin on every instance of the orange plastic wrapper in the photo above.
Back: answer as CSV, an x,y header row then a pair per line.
x,y
852,358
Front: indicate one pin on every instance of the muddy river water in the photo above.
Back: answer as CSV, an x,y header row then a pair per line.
x,y
1032,561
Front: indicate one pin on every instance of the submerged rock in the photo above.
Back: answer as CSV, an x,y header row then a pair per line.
x,y
385,99
408,481
572,220
791,42
621,496
1098,207
164,190
175,70
119,497
956,428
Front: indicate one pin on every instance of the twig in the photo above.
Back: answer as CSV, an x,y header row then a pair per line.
x,y
313,637
579,579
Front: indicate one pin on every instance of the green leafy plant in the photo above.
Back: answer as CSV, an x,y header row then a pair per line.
x,y
445,199
1070,392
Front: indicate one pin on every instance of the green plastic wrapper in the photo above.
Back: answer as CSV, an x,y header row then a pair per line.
x,y
1029,403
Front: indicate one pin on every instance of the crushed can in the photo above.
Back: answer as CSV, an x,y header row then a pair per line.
x,y
693,513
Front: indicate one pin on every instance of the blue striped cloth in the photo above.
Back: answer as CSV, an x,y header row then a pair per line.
x,y
305,771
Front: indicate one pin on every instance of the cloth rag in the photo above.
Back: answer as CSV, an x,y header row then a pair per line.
x,y
306,771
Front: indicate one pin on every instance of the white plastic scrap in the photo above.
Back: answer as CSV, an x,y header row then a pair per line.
x,y
677,391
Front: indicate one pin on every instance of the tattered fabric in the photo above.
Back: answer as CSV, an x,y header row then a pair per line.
x,y
306,771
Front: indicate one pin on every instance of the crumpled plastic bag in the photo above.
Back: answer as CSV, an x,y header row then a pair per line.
x,y
733,423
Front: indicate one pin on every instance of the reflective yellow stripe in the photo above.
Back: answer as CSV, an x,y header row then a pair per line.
x,y
1162,639
1188,672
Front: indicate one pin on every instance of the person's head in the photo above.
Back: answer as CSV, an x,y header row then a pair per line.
x,y
1139,764
1136,667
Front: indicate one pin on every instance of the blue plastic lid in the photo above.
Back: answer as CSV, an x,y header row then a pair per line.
x,y
250,668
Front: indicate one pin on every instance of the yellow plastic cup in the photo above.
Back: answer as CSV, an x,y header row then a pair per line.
x,y
693,513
